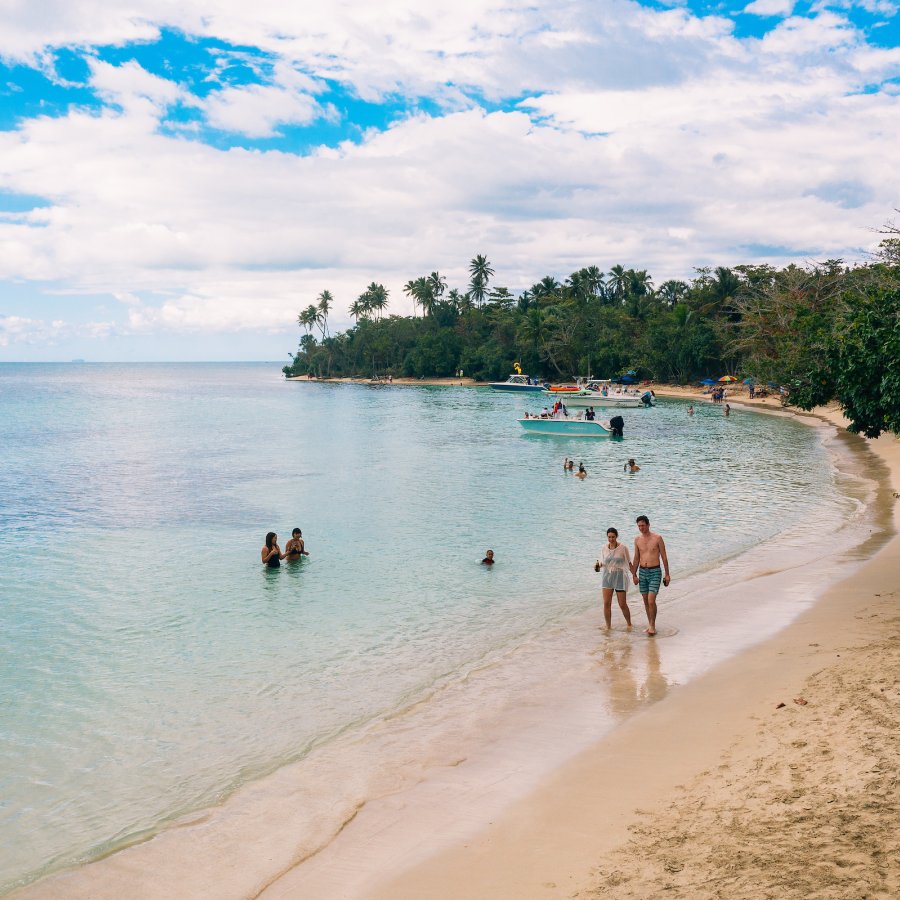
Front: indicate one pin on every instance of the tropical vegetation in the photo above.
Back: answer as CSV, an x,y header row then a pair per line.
x,y
822,330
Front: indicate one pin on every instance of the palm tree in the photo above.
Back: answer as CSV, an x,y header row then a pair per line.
x,y
594,281
618,282
424,291
357,310
326,302
672,291
456,300
377,295
480,271
411,291
309,318
438,285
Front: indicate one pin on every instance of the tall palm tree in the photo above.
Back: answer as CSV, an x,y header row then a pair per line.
x,y
411,291
377,298
326,303
480,273
309,318
438,285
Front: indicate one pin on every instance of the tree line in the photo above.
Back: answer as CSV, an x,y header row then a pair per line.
x,y
822,330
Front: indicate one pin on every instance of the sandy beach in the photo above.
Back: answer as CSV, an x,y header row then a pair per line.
x,y
724,785
774,775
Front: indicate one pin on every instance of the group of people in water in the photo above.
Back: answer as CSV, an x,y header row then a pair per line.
x,y
294,549
644,569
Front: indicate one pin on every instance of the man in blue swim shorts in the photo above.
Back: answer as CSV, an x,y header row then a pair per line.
x,y
649,549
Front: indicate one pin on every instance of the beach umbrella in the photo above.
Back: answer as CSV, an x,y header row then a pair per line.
x,y
707,381
626,379
728,378
749,381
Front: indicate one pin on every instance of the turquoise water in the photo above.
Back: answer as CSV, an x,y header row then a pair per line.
x,y
149,664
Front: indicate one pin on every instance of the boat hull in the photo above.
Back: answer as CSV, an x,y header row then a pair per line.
x,y
565,427
518,388
595,399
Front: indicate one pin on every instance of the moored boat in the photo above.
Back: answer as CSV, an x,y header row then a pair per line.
x,y
566,427
598,394
517,382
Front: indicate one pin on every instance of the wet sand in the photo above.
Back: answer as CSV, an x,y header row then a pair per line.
x,y
774,775
475,796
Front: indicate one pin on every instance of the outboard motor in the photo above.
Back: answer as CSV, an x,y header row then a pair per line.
x,y
647,398
616,424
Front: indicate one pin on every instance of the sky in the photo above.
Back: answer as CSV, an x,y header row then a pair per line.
x,y
178,180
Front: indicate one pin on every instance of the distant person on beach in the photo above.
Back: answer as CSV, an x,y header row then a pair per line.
x,y
582,472
631,467
488,558
271,553
615,564
649,548
295,547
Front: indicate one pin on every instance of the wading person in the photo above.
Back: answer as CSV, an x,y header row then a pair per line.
x,y
295,547
615,564
271,553
649,549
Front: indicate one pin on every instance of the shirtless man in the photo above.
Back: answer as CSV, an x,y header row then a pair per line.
x,y
648,549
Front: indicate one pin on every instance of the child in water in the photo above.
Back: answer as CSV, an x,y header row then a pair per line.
x,y
488,558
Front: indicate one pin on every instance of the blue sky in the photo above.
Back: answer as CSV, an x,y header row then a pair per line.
x,y
179,183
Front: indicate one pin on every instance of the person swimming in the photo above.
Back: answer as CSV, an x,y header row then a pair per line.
x,y
631,466
271,553
582,472
295,547
488,558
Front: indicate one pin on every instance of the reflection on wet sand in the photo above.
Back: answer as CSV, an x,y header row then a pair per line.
x,y
633,673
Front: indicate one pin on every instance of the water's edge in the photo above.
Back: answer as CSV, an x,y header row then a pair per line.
x,y
407,745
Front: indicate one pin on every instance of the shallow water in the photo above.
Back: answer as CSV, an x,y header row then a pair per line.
x,y
149,664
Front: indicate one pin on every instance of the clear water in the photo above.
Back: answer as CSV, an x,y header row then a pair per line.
x,y
149,664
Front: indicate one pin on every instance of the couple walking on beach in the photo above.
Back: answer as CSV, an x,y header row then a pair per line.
x,y
644,570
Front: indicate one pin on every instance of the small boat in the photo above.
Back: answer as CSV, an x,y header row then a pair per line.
x,y
599,394
564,427
517,383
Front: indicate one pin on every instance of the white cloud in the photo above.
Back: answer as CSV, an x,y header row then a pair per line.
x,y
257,110
770,7
651,138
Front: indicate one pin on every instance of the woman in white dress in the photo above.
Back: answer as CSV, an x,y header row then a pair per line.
x,y
615,563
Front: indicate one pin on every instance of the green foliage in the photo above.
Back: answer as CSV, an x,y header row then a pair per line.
x,y
824,331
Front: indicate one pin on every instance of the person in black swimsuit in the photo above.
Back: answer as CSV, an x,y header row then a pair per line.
x,y
271,553
295,548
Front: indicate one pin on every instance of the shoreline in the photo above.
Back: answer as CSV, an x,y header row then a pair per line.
x,y
708,804
132,865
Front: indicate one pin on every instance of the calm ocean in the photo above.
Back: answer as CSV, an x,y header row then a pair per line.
x,y
149,664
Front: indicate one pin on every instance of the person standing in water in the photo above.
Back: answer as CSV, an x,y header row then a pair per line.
x,y
649,549
631,467
488,558
615,564
271,553
295,547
